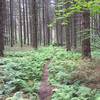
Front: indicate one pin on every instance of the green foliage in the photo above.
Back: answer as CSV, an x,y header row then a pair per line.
x,y
19,96
96,53
75,92
66,8
96,43
63,63
97,96
61,70
23,70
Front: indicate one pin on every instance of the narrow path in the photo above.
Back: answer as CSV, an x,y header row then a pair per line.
x,y
45,91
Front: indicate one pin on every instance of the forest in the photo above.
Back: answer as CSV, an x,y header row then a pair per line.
x,y
49,49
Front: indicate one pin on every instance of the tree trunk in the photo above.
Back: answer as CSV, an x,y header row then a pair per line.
x,y
34,16
86,48
20,17
75,34
11,23
68,44
2,25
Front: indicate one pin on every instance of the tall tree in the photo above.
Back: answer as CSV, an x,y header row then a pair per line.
x,y
11,23
20,17
27,20
2,25
34,16
86,48
24,22
68,44
47,22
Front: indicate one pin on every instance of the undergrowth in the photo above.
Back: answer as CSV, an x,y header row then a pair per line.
x,y
22,71
68,69
75,92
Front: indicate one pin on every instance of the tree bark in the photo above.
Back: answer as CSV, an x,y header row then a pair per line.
x,y
34,16
86,47
68,44
2,25
11,23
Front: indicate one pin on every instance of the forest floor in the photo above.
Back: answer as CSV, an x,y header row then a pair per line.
x,y
88,73
18,48
46,90
94,84
49,73
1,82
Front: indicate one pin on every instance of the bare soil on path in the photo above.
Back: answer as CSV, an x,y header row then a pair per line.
x,y
45,91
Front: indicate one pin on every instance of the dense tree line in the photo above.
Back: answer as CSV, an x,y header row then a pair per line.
x,y
66,9
43,22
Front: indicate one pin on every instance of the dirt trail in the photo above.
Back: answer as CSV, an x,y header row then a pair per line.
x,y
45,91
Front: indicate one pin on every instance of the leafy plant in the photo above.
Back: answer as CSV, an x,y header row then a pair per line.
x,y
23,70
74,92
